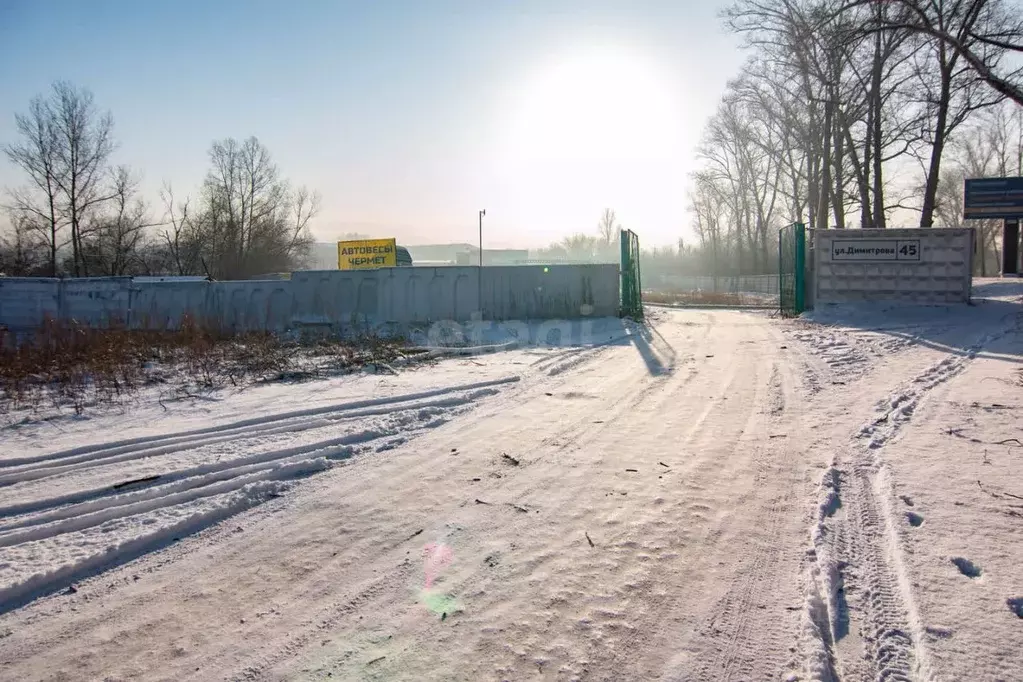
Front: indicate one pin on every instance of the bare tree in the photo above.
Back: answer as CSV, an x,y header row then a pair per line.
x,y
742,163
831,102
22,250
178,240
581,247
837,96
38,155
250,220
710,208
84,145
305,205
951,92
114,238
985,30
608,226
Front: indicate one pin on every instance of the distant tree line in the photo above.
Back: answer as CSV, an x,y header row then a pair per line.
x,y
603,246
77,214
600,246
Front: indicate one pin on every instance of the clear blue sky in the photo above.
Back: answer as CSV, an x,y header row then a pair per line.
x,y
407,116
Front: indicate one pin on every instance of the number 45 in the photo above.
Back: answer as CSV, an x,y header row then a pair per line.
x,y
908,250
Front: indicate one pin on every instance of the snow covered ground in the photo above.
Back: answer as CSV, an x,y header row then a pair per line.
x,y
723,495
916,542
76,502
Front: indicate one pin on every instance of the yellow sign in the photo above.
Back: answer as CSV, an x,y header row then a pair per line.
x,y
365,254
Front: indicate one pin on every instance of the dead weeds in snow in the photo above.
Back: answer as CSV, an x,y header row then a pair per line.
x,y
65,365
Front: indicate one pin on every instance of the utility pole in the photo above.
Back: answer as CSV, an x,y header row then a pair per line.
x,y
479,280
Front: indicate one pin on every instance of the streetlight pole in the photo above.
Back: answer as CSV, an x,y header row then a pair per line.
x,y
479,279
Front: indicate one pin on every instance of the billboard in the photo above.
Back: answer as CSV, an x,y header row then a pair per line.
x,y
366,254
993,198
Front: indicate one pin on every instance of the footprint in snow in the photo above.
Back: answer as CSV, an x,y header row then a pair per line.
x,y
939,633
967,567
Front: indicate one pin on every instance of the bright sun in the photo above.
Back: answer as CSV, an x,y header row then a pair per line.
x,y
597,105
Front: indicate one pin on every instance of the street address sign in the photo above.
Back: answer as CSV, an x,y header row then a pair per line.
x,y
993,198
875,250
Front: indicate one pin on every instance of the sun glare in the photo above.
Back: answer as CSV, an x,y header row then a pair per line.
x,y
601,104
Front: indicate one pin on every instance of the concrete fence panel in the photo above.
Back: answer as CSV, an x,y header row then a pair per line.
x,y
164,305
26,301
924,266
550,292
396,297
96,300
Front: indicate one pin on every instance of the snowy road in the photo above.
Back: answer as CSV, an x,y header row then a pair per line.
x,y
723,497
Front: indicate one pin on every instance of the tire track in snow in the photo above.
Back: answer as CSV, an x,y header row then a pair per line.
x,y
76,522
327,619
223,487
247,426
626,399
734,619
659,394
47,581
735,631
848,352
755,639
175,482
572,362
47,469
559,362
858,579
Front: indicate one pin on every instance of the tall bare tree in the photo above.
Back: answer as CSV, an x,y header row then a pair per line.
x,y
949,89
38,206
742,163
84,146
181,251
114,238
952,93
710,211
835,102
251,220
582,247
837,99
983,31
608,226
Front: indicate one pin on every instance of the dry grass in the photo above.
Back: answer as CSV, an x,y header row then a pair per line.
x,y
65,365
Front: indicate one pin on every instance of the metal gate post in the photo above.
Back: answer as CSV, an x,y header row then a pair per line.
x,y
800,267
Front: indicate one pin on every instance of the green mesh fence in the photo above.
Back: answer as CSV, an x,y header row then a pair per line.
x,y
632,290
792,269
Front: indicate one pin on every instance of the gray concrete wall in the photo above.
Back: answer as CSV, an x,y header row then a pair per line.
x,y
396,297
27,301
923,266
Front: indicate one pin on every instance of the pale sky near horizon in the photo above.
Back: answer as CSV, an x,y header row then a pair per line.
x,y
408,117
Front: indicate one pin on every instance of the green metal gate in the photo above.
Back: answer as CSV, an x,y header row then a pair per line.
x,y
632,290
792,269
